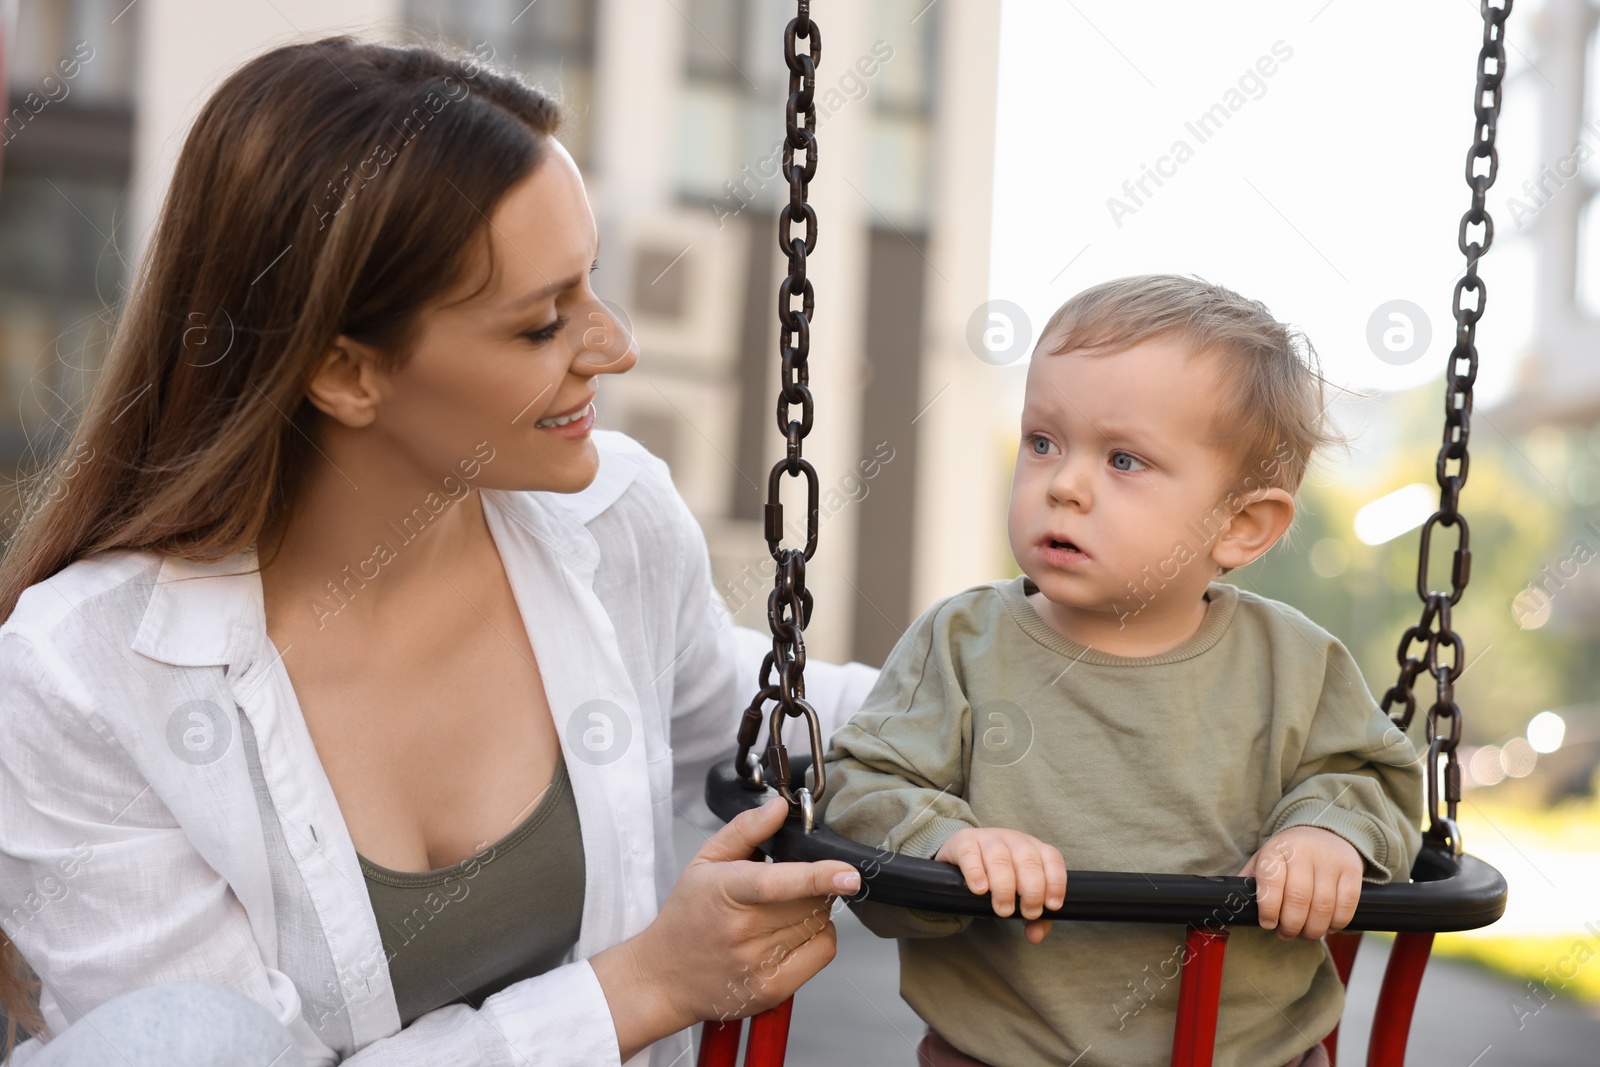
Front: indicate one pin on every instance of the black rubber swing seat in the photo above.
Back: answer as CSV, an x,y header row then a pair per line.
x,y
1445,892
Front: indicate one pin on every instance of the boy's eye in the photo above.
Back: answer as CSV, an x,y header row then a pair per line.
x,y
1041,445
1124,461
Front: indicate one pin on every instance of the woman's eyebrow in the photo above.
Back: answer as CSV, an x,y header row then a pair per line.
x,y
555,287
545,293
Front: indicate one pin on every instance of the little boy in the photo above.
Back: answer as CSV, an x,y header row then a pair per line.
x,y
1118,705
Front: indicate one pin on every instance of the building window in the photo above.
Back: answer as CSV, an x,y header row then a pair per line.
x,y
68,134
903,98
730,106
715,40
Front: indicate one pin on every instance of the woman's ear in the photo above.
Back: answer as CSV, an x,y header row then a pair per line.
x,y
345,387
1261,520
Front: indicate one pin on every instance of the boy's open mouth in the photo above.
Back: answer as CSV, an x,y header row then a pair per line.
x,y
1067,546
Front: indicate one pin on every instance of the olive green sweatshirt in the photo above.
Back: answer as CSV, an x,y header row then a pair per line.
x,y
1183,762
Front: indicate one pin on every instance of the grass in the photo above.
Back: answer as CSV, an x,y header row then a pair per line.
x,y
1565,964
1572,824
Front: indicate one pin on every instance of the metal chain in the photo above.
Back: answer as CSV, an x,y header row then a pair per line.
x,y
789,604
1435,628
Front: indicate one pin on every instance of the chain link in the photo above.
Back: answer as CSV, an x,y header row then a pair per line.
x,y
1435,630
789,604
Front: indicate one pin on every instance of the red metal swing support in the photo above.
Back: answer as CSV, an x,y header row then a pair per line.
x,y
1200,989
1199,993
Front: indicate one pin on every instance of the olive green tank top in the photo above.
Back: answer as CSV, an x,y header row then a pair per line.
x,y
464,932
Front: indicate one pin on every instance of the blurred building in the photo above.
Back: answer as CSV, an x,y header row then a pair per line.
x,y
675,113
1558,390
1560,379
68,144
1556,404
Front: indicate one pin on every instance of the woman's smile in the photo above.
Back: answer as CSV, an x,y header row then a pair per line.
x,y
572,422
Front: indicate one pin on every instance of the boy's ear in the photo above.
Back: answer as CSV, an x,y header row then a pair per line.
x,y
1263,517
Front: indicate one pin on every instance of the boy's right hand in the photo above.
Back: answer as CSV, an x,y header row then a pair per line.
x,y
1010,865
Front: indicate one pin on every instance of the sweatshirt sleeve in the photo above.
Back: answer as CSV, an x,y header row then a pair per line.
x,y
1358,775
896,772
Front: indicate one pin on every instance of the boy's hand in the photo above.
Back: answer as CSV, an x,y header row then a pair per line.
x,y
1010,864
1308,882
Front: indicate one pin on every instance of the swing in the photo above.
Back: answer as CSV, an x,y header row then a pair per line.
x,y
1448,891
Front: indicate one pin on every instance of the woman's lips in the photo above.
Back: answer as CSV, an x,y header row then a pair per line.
x,y
575,430
575,409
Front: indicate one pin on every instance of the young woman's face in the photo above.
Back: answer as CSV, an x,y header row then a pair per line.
x,y
504,365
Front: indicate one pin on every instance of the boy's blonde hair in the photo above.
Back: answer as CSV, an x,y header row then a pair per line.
x,y
1274,416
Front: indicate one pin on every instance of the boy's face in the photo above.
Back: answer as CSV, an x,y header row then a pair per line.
x,y
1114,475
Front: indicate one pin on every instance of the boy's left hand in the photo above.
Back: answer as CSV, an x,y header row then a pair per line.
x,y
1308,882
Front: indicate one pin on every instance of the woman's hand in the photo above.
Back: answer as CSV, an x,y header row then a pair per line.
x,y
733,938
1011,867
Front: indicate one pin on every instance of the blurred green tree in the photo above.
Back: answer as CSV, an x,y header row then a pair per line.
x,y
1524,517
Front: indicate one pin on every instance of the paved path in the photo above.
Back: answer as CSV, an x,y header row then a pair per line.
x,y
851,1014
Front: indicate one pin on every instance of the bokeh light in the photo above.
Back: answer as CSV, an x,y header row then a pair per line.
x,y
1546,731
1518,757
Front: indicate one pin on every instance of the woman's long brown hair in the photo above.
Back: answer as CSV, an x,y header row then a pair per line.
x,y
326,188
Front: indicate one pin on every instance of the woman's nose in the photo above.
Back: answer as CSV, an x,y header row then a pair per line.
x,y
603,341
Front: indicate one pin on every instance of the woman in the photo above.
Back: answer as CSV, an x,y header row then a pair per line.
x,y
290,709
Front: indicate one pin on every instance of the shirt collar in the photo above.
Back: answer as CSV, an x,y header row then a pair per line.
x,y
203,613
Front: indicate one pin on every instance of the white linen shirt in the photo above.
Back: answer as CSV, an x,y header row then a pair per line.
x,y
164,815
